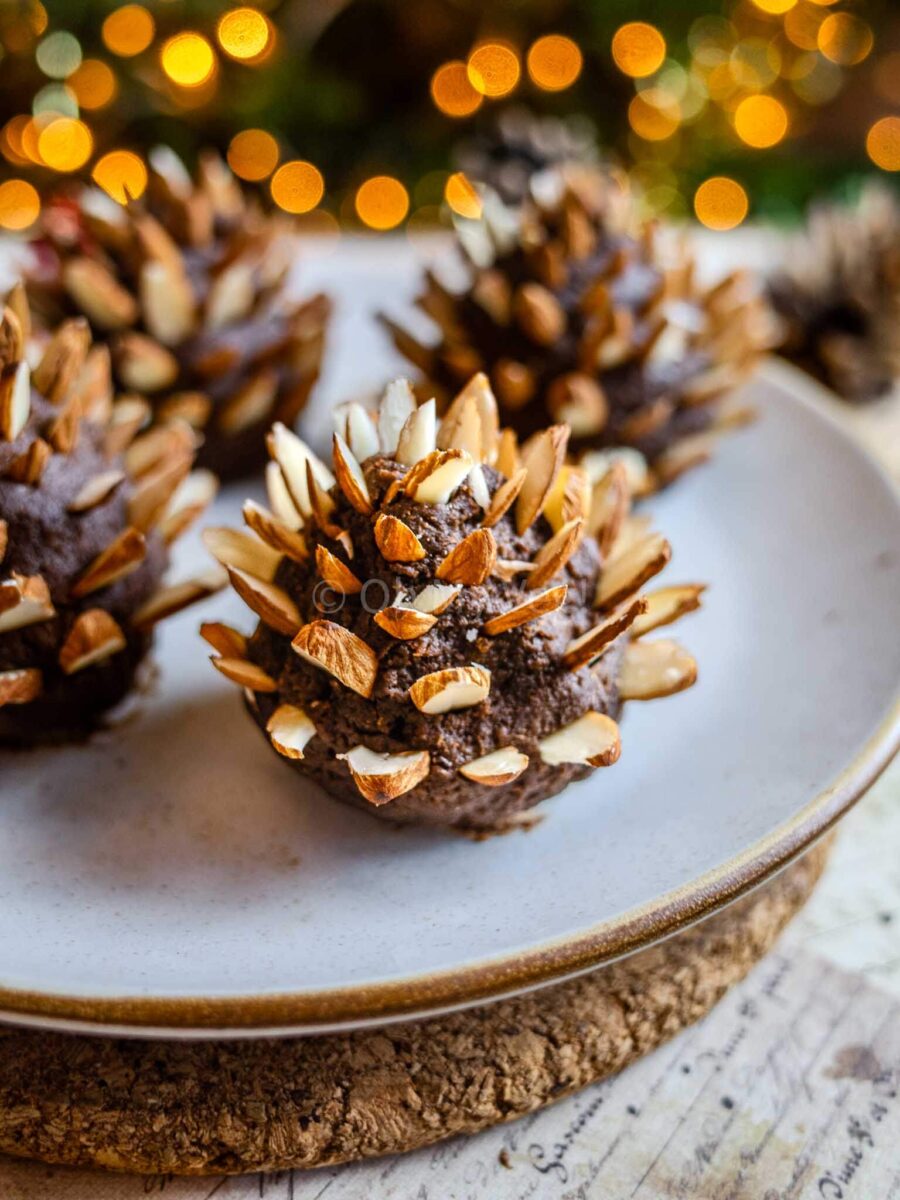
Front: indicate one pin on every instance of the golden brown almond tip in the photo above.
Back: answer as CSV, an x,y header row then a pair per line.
x,y
396,541
404,623
122,556
272,604
497,768
234,548
504,498
529,610
450,689
350,477
228,642
542,458
290,729
28,467
275,533
20,686
245,674
24,600
340,653
471,561
336,574
584,650
666,605
383,777
630,570
94,637
173,597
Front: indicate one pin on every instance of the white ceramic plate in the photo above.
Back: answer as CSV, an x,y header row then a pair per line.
x,y
176,875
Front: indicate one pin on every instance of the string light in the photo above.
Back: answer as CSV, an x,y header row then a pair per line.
x,y
760,121
65,144
253,154
128,31
638,49
297,186
243,33
554,62
20,204
121,174
493,69
883,143
462,196
721,203
93,84
452,91
188,59
382,202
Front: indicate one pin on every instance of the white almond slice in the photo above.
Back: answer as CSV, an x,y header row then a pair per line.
x,y
350,477
504,497
24,600
497,768
124,554
335,573
292,454
282,538
479,488
418,437
383,777
15,400
570,497
158,446
637,472
508,458
542,458
508,568
93,638
629,571
666,605
404,623
529,610
654,669
167,303
20,685
142,364
592,740
554,554
450,689
397,405
271,604
289,730
280,498
634,529
362,436
340,653
471,561
396,540
435,479
173,597
128,416
234,548
246,674
584,650
228,642
231,295
436,597
461,427
188,502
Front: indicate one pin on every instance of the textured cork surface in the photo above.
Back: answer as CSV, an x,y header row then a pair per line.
x,y
222,1107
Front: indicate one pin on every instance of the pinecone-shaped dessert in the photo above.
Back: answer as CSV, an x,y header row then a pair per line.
x,y
187,286
517,144
448,624
576,313
838,295
88,507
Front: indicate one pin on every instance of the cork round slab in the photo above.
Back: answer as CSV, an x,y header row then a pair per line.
x,y
230,1107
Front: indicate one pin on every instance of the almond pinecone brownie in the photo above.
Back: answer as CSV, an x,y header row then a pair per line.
x,y
448,623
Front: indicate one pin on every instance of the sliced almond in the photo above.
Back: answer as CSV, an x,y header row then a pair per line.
x,y
230,643
654,669
62,360
542,459
396,540
383,777
275,533
122,556
515,383
362,436
245,673
335,573
461,427
471,561
578,400
271,603
508,568
13,338
610,504
93,638
538,312
418,437
29,466
233,548
167,302
529,610
434,479
570,497
508,460
20,686
24,600
153,491
497,768
436,597
350,477
252,403
592,740
98,294
174,597
158,446
231,295
503,498
397,405
321,503
188,502
637,472
289,730
194,408
280,499
64,431
4,538
584,650
142,364
404,623
555,553
450,689
128,416
478,487
630,570
666,605
634,529
15,400
341,653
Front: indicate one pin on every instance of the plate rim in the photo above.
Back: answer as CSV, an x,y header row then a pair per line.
x,y
376,1004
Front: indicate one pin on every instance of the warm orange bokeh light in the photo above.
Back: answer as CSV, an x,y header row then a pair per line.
x,y
452,91
128,31
121,174
493,69
382,202
65,144
720,203
801,25
253,154
883,143
760,121
554,62
11,140
650,122
297,187
188,59
845,39
19,204
638,49
243,33
94,83
777,7
462,197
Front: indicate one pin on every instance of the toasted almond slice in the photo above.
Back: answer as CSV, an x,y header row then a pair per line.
x,y
233,548
508,460
610,504
471,561
64,431
62,360
404,623
637,472
634,529
434,479
122,556
396,540
271,603
153,491
158,446
569,497
397,405
497,768
383,777
245,673
20,686
4,538
192,407
12,335
335,573
418,437
654,669
461,426
127,417
280,500
15,400
188,502
542,459
24,600
289,730
252,404
508,568
666,605
98,294
230,643
28,467
555,553
683,456
350,477
503,498
174,597
592,740
539,313
323,506
93,638
275,534
452,688
578,400
167,302
436,597
514,381
231,295
292,454
362,436
582,651
341,653
529,610
143,365
630,570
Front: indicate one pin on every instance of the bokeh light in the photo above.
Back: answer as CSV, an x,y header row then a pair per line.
x,y
121,174
775,7
93,83
253,154
65,144
382,202
297,186
188,59
845,39
638,49
452,91
243,33
883,143
11,140
59,54
128,31
651,122
802,23
493,69
554,62
20,204
760,121
462,196
720,203
56,99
